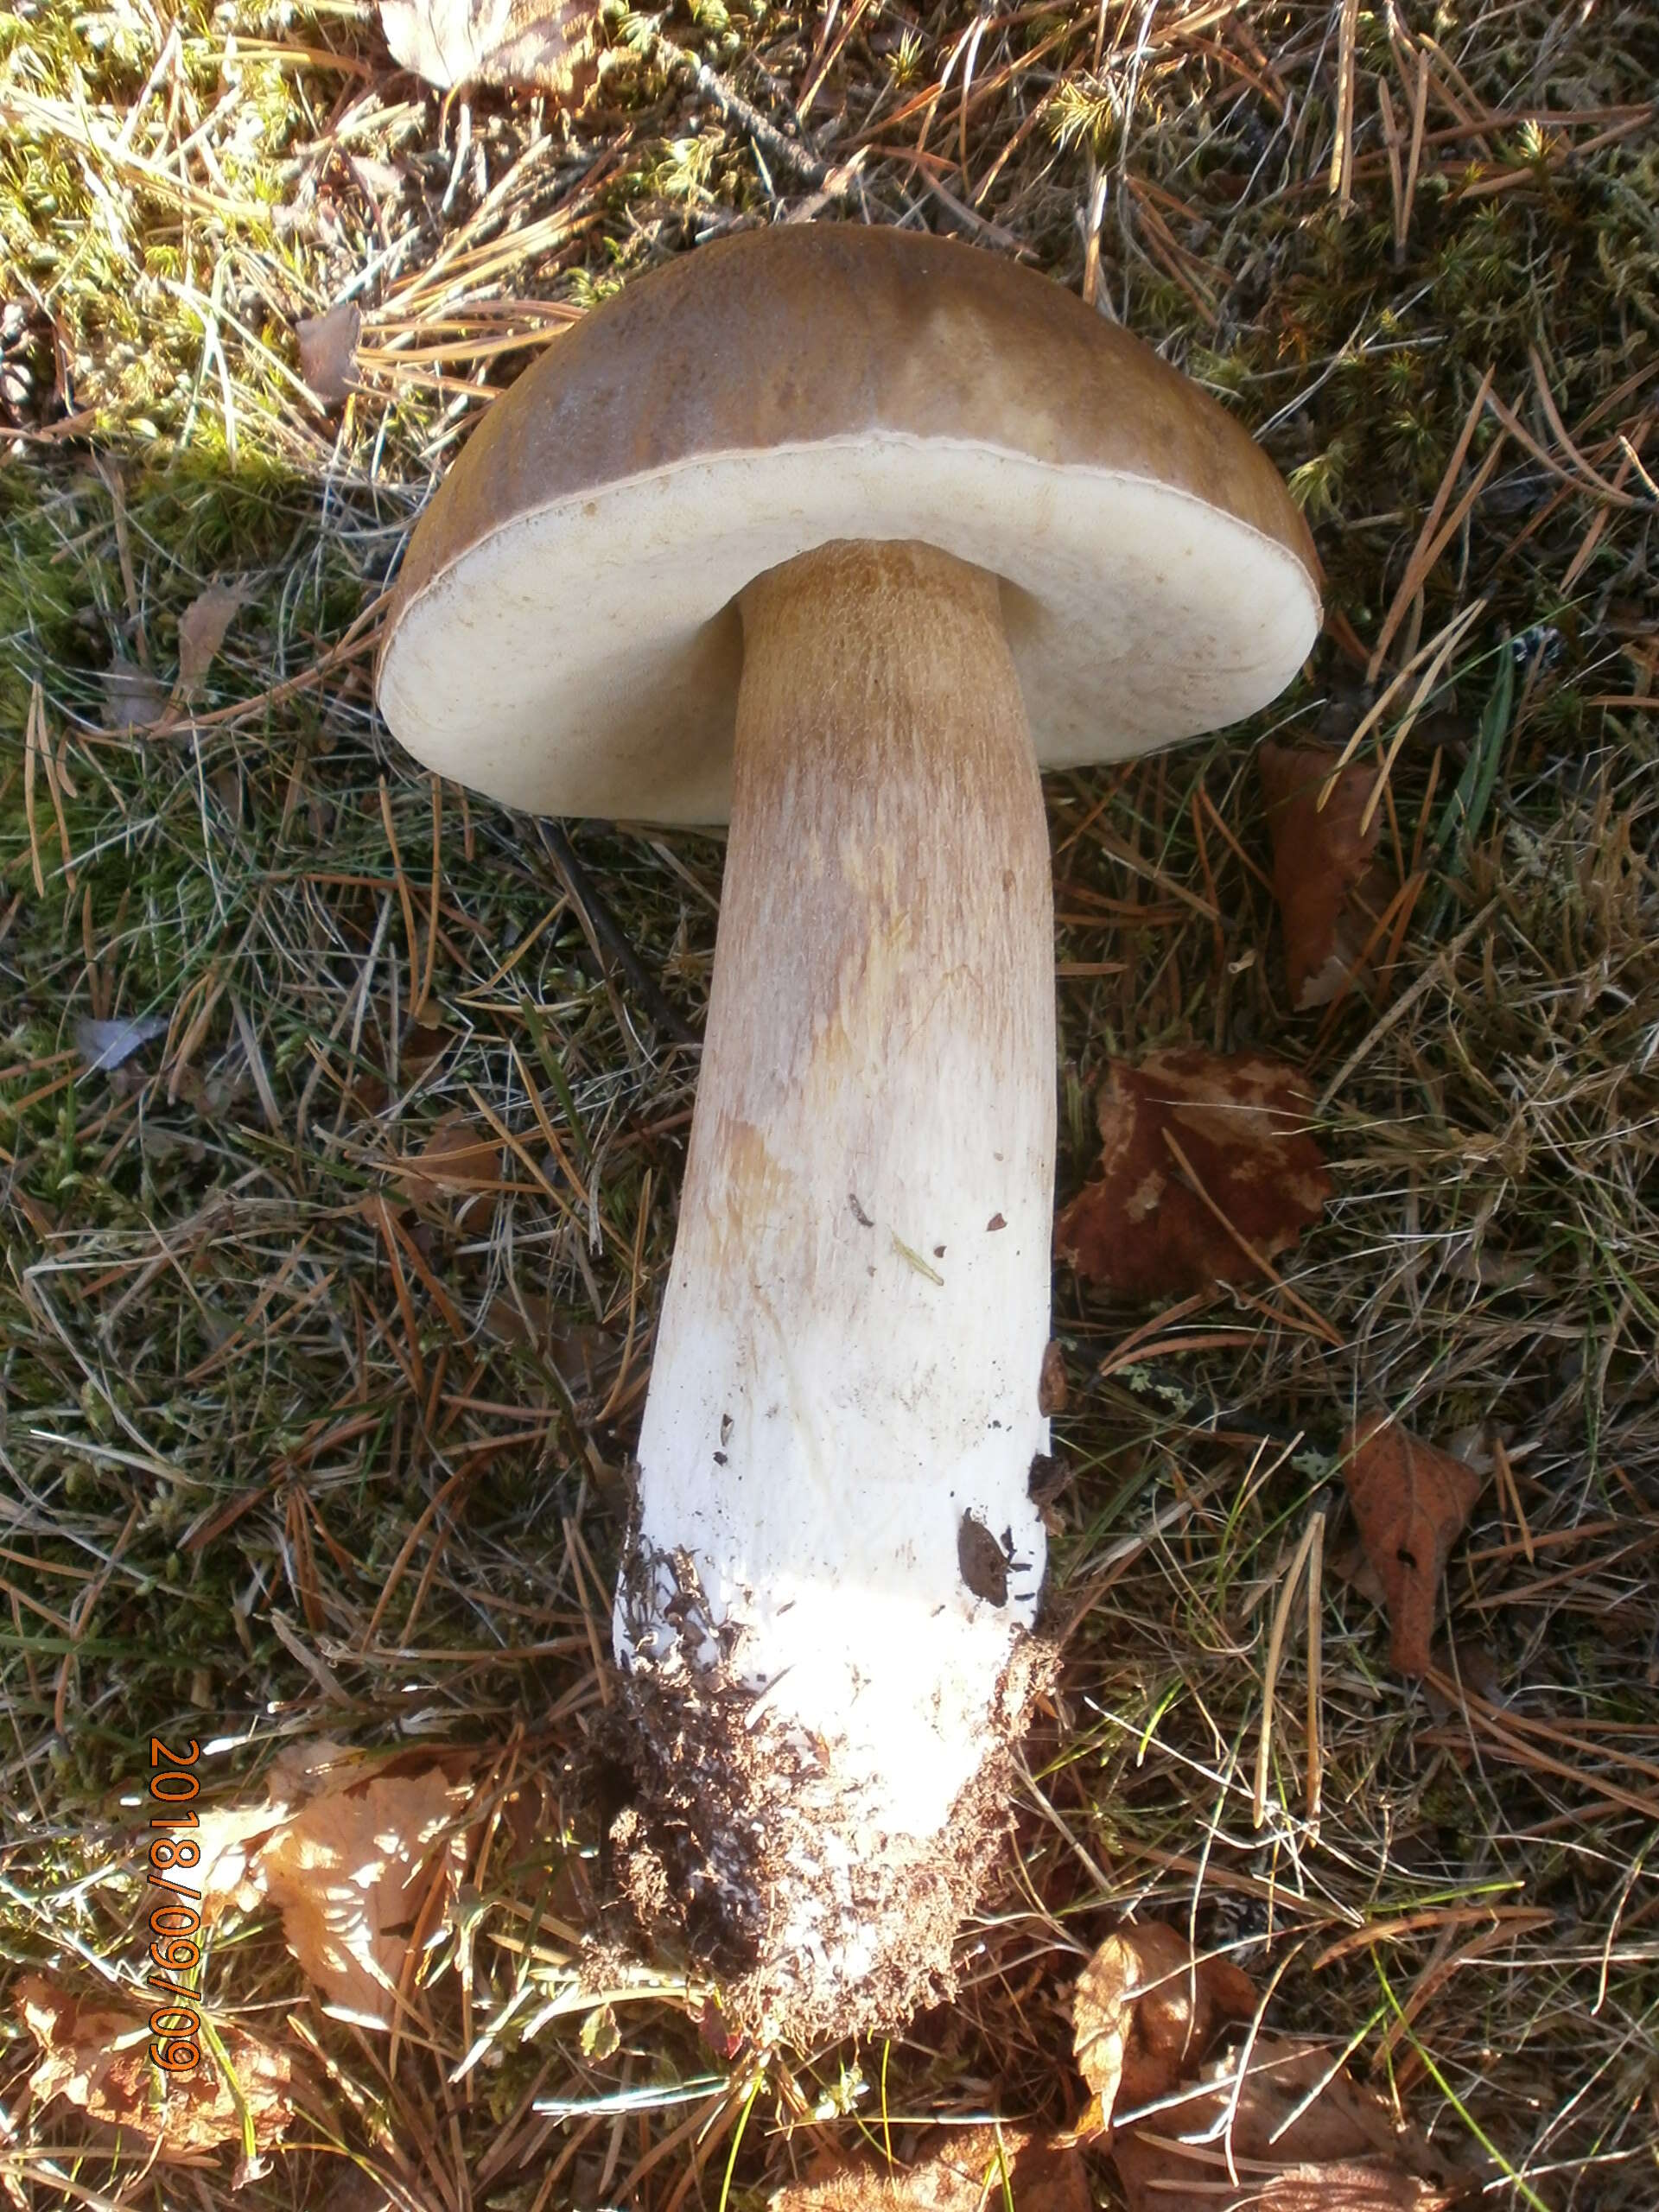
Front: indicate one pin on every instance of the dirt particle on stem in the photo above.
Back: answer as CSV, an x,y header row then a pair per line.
x,y
983,1563
1050,1382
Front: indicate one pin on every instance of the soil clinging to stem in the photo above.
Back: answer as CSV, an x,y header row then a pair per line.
x,y
746,1844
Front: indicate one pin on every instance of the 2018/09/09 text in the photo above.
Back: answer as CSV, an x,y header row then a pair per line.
x,y
175,2026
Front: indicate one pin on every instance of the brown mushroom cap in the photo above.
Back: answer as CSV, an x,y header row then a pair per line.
x,y
565,634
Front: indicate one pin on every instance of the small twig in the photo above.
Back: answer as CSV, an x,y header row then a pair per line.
x,y
419,998
800,160
1391,140
405,898
1419,113
1310,1536
1342,149
605,935
1315,1676
1595,488
1509,1491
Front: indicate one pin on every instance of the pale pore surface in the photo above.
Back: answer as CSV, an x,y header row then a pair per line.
x,y
584,658
851,1341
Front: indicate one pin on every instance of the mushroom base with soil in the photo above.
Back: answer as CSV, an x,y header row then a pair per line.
x,y
832,1583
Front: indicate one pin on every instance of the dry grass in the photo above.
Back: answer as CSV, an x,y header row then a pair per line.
x,y
294,1444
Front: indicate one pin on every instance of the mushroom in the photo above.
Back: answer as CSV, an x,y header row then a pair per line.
x,y
839,535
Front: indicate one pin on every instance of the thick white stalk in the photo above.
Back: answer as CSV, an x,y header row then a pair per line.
x,y
836,1560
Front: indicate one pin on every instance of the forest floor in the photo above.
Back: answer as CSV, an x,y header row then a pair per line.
x,y
328,1287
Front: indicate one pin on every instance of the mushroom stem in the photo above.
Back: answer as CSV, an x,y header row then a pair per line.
x,y
836,1563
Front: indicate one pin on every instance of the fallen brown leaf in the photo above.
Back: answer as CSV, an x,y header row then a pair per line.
x,y
454,1161
542,45
1144,2012
364,1095
715,2033
1349,1562
1240,1122
1469,1662
1330,885
133,698
96,2056
423,1044
584,1358
228,1838
1158,2175
1411,1502
348,1854
202,631
965,2170
328,347
1301,2138
350,1873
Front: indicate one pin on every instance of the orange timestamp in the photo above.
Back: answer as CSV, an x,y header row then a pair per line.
x,y
173,2027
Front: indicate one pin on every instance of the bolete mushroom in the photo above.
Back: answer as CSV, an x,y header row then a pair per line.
x,y
840,535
